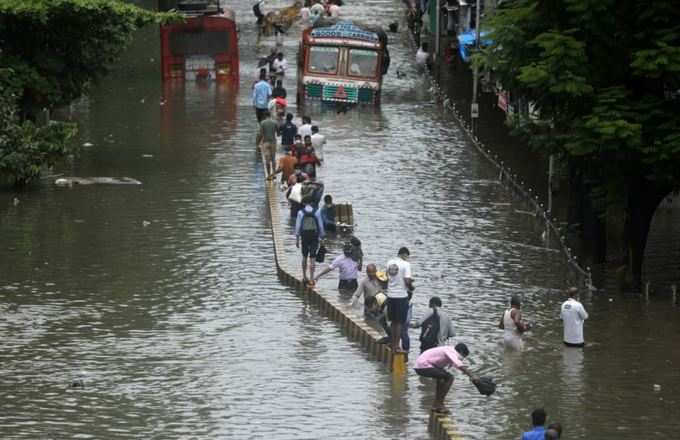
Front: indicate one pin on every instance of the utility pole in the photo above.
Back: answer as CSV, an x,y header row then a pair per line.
x,y
551,173
474,108
436,29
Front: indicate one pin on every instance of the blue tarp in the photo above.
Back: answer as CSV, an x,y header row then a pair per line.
x,y
466,42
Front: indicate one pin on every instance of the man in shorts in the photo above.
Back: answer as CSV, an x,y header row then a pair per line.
x,y
309,230
432,363
267,142
399,292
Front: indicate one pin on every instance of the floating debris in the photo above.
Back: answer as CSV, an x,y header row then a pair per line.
x,y
70,181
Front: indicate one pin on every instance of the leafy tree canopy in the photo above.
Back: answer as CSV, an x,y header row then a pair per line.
x,y
604,76
58,47
50,52
25,148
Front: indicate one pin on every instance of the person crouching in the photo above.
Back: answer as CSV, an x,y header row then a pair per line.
x,y
432,363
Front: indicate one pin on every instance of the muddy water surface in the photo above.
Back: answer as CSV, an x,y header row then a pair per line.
x,y
162,300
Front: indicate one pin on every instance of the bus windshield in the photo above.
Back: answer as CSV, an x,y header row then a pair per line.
x,y
362,63
199,43
323,59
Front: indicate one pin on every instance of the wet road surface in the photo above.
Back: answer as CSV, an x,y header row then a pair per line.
x,y
163,298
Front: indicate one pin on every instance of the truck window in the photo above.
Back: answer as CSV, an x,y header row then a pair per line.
x,y
323,59
362,63
199,43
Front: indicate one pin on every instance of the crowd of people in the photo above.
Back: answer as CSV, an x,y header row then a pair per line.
x,y
308,12
312,10
386,294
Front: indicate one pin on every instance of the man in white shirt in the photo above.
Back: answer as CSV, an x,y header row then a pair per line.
x,y
306,128
318,142
279,65
399,291
334,10
304,14
573,315
421,55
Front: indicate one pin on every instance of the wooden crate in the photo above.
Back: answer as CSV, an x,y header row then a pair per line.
x,y
344,216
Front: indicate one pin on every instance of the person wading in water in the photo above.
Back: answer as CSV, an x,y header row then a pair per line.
x,y
432,363
573,316
512,323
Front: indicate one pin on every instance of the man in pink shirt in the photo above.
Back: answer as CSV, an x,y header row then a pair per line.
x,y
432,363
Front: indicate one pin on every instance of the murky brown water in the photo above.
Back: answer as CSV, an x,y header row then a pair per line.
x,y
179,327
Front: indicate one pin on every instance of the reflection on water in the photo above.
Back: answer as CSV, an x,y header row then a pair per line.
x,y
163,297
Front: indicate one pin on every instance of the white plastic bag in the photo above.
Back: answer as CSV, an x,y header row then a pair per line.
x,y
296,193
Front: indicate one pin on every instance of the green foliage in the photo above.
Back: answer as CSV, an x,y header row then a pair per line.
x,y
25,148
51,51
58,47
604,76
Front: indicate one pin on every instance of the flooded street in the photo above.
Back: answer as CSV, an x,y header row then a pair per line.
x,y
161,303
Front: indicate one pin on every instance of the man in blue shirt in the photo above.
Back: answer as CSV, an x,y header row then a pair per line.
x,y
327,212
538,417
262,92
288,131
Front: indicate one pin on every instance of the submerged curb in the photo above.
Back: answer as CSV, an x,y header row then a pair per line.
x,y
440,426
351,324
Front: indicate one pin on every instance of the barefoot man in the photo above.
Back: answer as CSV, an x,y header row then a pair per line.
x,y
399,291
432,363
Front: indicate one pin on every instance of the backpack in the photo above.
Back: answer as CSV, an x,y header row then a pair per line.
x,y
429,332
307,192
310,227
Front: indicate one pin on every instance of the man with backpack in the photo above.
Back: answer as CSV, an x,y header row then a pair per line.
x,y
309,230
435,328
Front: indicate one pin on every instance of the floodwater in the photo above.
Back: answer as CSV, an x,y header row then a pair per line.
x,y
161,300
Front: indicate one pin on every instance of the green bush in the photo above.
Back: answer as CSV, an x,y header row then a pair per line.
x,y
51,51
25,147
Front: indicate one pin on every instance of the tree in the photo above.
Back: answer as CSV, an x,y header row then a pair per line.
x,y
51,52
24,146
604,76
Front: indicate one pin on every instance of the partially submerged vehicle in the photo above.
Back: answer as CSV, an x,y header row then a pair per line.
x,y
280,19
203,46
342,61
